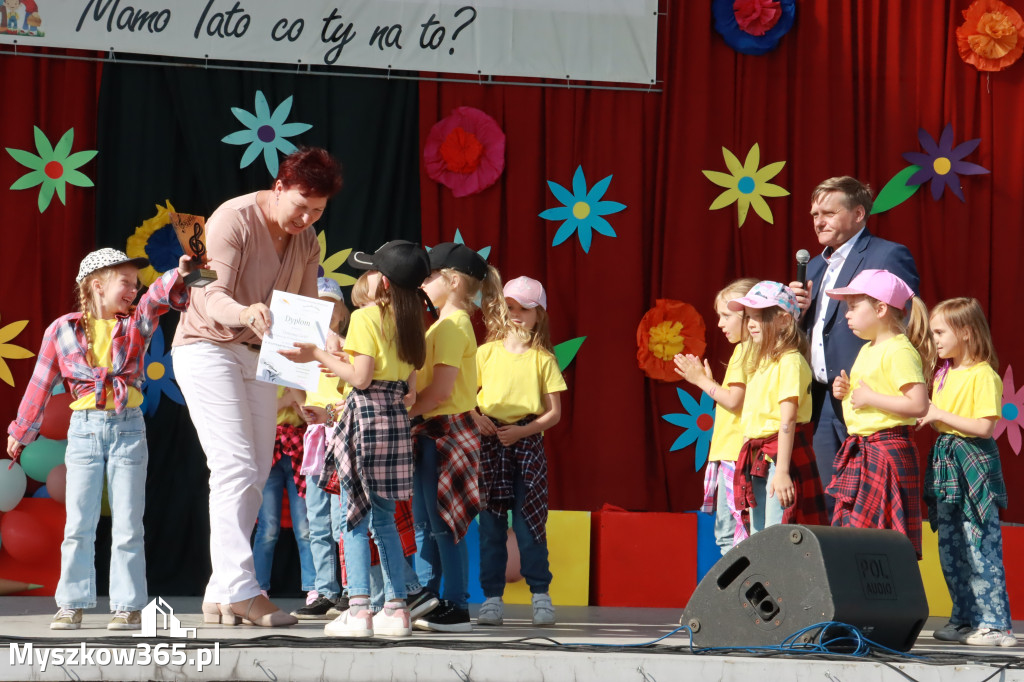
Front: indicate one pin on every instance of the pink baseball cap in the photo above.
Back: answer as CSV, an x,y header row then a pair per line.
x,y
878,284
528,292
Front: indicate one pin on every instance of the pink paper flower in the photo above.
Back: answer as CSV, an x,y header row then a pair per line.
x,y
757,17
1012,413
465,151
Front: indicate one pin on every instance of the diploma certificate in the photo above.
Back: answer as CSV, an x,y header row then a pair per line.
x,y
293,318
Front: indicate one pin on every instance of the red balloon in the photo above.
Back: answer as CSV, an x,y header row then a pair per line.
x,y
57,417
46,574
28,538
512,568
57,483
50,512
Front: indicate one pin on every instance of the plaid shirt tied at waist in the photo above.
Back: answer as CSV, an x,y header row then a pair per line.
x,y
498,466
289,443
458,455
965,472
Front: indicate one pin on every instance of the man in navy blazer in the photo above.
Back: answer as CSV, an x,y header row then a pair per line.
x,y
839,208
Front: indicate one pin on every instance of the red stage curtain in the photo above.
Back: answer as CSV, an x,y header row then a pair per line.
x,y
41,252
845,93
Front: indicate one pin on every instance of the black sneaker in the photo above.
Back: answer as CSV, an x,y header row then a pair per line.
x,y
340,607
422,603
447,617
315,611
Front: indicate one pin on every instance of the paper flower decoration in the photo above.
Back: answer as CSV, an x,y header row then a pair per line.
x,y
265,132
156,240
753,26
746,185
582,210
10,351
465,151
992,35
566,351
670,327
698,421
54,168
159,376
942,163
1013,412
330,264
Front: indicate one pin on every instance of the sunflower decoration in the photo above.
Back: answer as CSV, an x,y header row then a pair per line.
x,y
54,168
465,151
156,240
670,327
10,351
746,185
330,264
992,35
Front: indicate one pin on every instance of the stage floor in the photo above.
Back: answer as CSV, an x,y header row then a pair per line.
x,y
589,643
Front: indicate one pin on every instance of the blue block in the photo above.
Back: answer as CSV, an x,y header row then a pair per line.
x,y
708,552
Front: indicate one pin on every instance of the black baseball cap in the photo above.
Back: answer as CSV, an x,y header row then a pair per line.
x,y
404,263
458,257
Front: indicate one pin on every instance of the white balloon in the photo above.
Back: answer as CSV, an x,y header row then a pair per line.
x,y
12,485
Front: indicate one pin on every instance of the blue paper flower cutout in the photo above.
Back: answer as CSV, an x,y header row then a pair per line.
x,y
581,210
265,132
764,35
159,376
698,422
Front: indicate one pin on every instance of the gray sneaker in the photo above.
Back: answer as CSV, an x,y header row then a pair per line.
x,y
67,619
543,610
126,620
492,612
951,632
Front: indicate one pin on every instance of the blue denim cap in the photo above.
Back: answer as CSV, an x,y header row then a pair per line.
x,y
767,294
328,288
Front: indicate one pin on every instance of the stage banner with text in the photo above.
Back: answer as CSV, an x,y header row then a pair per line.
x,y
581,40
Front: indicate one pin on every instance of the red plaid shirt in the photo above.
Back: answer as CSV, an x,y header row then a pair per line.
x,y
458,451
289,443
64,355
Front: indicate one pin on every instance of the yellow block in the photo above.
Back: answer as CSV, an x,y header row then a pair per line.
x,y
939,603
569,556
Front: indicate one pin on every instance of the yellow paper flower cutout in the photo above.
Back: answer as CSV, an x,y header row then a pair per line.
x,y
746,185
152,241
329,264
666,340
10,351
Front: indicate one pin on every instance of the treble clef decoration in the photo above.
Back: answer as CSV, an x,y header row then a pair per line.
x,y
195,242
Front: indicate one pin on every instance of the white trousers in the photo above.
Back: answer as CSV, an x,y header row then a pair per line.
x,y
235,417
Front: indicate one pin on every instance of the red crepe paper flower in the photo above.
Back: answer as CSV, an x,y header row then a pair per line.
x,y
465,151
757,17
992,35
670,327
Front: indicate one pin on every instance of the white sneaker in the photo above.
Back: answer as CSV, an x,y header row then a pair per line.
x,y
392,621
67,619
492,612
355,622
989,637
543,610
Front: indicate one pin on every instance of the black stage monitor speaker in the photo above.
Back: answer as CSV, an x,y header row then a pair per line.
x,y
787,578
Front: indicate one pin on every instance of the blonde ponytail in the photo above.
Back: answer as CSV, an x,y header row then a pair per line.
x,y
920,334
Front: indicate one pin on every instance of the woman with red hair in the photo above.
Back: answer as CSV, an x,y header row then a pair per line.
x,y
257,243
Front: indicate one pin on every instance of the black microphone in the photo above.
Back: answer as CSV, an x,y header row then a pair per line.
x,y
802,258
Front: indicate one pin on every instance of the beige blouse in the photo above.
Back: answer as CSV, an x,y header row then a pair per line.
x,y
248,270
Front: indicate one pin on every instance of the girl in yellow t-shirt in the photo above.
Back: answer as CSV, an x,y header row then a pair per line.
x,y
964,486
877,483
447,494
727,437
371,447
776,478
518,400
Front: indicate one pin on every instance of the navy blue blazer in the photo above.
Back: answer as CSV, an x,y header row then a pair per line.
x,y
870,252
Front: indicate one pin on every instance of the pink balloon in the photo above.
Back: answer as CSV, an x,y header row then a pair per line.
x,y
57,482
513,567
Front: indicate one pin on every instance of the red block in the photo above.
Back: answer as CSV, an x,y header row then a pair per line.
x,y
642,559
1013,549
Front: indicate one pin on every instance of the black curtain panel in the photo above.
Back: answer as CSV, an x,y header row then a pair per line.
x,y
160,133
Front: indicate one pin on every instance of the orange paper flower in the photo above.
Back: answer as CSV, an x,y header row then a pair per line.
x,y
670,327
992,35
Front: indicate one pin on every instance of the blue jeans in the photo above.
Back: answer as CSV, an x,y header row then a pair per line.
x,y
768,511
439,554
725,522
412,583
380,521
324,515
268,526
533,555
975,576
98,440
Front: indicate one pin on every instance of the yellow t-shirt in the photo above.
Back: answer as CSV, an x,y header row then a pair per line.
x,y
770,384
513,385
886,367
327,392
975,392
368,335
289,415
101,332
727,438
451,341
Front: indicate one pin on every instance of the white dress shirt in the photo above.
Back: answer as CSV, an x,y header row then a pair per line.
x,y
835,264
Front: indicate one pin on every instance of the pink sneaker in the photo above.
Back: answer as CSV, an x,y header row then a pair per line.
x,y
392,621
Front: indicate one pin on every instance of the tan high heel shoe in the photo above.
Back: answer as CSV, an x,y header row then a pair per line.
x,y
258,611
211,612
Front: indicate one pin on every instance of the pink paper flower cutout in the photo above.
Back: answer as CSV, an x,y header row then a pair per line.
x,y
465,151
757,17
1013,412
